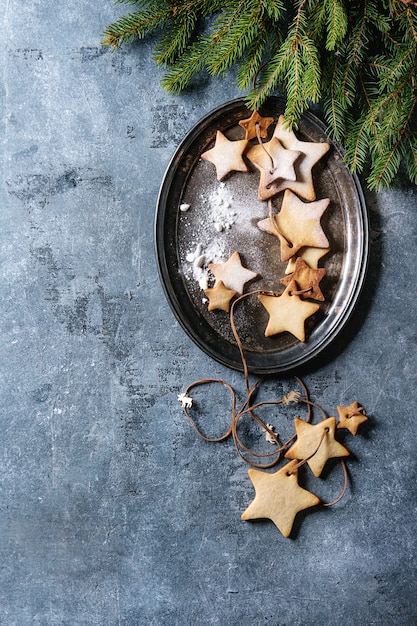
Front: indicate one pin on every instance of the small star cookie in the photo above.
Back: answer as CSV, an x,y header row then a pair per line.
x,y
351,417
287,312
226,156
232,273
316,443
306,278
219,297
274,163
279,497
297,224
310,255
312,153
255,121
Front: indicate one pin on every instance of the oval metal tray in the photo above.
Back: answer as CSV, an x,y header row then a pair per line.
x,y
235,206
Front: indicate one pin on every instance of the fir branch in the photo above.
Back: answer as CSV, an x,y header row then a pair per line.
x,y
402,66
136,25
355,53
176,39
337,113
178,76
252,60
336,21
236,30
388,149
412,23
302,78
357,57
296,66
386,163
270,78
273,9
357,144
411,159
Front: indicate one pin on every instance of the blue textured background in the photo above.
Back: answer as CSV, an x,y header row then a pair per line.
x,y
112,512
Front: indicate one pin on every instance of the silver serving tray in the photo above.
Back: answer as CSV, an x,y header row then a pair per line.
x,y
234,205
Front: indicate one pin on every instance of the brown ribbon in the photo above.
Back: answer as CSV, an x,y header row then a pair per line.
x,y
248,408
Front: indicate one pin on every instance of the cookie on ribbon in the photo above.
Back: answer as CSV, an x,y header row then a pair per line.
x,y
279,497
297,224
310,255
287,312
316,443
256,124
274,163
311,151
307,280
351,417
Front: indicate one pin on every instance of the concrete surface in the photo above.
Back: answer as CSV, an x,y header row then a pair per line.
x,y
112,512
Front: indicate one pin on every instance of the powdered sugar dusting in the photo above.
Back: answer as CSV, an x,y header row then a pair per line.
x,y
221,203
219,215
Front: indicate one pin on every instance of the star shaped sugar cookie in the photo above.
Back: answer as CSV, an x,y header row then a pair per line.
x,y
310,255
279,497
254,122
219,297
226,156
232,273
287,312
351,417
316,441
306,278
274,163
297,224
312,152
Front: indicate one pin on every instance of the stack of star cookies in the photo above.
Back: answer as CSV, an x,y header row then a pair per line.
x,y
285,165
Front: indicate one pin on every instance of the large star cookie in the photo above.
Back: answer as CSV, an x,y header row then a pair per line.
x,y
351,417
232,273
279,497
274,163
219,297
297,224
226,156
287,312
256,124
307,279
316,443
312,153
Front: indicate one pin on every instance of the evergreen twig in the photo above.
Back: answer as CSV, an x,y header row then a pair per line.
x,y
358,58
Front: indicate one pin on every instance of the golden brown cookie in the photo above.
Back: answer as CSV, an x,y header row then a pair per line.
x,y
219,297
226,156
312,152
351,417
274,163
256,121
307,280
287,312
279,497
297,225
310,255
232,273
316,443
